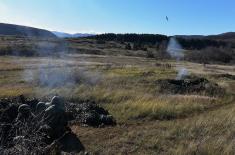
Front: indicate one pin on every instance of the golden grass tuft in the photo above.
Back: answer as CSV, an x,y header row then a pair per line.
x,y
160,107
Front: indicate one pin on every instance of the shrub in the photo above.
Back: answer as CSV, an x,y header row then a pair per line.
x,y
210,54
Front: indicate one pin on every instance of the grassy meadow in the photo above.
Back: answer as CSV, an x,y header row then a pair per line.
x,y
149,122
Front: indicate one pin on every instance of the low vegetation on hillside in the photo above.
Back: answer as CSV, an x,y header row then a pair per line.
x,y
145,45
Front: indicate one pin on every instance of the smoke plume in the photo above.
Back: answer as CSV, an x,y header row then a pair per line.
x,y
55,70
175,50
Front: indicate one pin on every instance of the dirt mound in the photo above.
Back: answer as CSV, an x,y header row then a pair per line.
x,y
89,114
25,130
189,85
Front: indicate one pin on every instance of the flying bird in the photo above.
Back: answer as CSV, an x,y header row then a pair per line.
x,y
167,18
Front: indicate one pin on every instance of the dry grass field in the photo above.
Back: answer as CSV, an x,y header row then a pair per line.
x,y
149,122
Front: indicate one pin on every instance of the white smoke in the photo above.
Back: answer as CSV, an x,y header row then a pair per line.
x,y
175,50
182,72
57,71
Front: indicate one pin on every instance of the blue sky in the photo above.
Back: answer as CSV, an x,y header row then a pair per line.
x,y
123,16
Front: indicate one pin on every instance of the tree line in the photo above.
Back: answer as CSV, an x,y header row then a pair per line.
x,y
133,38
201,50
157,39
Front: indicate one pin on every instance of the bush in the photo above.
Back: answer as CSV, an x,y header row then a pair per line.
x,y
150,54
210,54
128,46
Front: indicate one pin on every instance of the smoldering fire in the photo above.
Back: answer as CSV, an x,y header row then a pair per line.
x,y
175,50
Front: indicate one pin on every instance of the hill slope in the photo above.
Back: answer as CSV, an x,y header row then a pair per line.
x,y
11,29
223,36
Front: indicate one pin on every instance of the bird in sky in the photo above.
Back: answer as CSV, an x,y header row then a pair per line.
x,y
167,18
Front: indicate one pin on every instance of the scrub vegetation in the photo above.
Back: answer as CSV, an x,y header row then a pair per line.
x,y
148,121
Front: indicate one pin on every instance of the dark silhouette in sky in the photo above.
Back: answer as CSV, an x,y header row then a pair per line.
x,y
167,19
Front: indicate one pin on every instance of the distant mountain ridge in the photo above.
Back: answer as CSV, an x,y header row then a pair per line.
x,y
25,31
68,35
222,36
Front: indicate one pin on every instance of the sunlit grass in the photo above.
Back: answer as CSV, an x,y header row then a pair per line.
x,y
149,122
128,92
160,107
12,91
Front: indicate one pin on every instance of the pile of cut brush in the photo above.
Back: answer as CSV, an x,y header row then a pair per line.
x,y
33,127
189,85
89,114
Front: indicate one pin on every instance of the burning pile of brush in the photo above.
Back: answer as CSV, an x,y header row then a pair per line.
x,y
33,127
189,85
183,82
